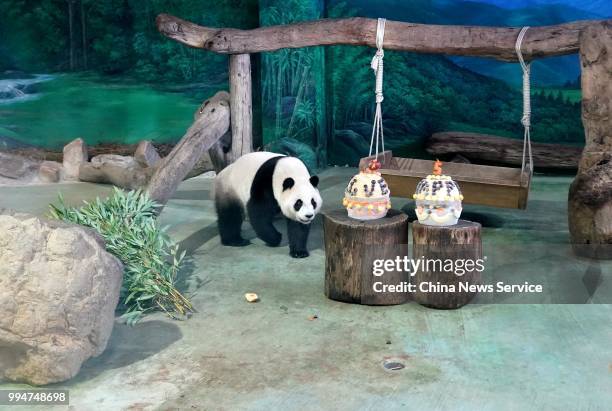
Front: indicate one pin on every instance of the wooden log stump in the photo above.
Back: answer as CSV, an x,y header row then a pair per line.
x,y
454,243
351,246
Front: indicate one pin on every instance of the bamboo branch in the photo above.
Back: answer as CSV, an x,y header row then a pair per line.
x,y
478,41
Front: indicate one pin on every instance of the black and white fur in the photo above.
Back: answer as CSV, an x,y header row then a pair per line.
x,y
260,185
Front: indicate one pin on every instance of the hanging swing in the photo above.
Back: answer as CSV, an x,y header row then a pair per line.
x,y
484,185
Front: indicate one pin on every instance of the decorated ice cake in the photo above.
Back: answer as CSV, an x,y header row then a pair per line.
x,y
367,195
438,199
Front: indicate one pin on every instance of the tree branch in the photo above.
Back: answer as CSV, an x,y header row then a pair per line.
x,y
478,41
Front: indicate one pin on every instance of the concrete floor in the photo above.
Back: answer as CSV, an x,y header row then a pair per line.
x,y
235,355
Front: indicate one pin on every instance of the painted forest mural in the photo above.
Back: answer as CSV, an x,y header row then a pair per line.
x,y
100,70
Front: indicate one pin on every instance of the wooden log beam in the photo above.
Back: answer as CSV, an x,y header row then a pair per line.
x,y
241,105
479,41
212,123
486,148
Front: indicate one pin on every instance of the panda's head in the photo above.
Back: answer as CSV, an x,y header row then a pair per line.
x,y
298,197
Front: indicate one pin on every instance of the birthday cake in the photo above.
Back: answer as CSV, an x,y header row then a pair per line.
x,y
367,195
438,199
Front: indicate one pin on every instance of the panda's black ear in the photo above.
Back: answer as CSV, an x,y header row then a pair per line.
x,y
288,183
314,180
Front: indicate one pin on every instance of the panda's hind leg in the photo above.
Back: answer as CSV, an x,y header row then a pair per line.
x,y
230,216
261,217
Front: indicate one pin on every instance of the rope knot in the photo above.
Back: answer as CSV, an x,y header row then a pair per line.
x,y
526,120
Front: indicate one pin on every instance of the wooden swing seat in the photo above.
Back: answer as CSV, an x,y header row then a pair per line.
x,y
483,185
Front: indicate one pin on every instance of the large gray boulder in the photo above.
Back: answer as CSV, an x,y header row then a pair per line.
x,y
18,168
59,288
50,172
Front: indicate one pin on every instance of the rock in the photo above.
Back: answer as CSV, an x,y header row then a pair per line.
x,y
50,172
16,167
75,153
146,155
58,291
590,211
121,171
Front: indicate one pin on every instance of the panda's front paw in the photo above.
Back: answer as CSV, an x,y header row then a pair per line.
x,y
299,253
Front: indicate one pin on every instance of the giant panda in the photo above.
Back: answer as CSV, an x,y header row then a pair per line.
x,y
259,185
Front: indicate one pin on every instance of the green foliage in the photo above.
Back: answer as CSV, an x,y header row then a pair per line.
x,y
293,80
299,87
425,94
292,147
117,37
151,261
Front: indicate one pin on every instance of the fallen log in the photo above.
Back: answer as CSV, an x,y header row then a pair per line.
x,y
479,41
501,150
211,124
124,174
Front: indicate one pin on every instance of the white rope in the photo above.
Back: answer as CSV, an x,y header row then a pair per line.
x,y
526,119
377,66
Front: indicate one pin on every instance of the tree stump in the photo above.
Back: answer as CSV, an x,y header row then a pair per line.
x,y
351,246
453,243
